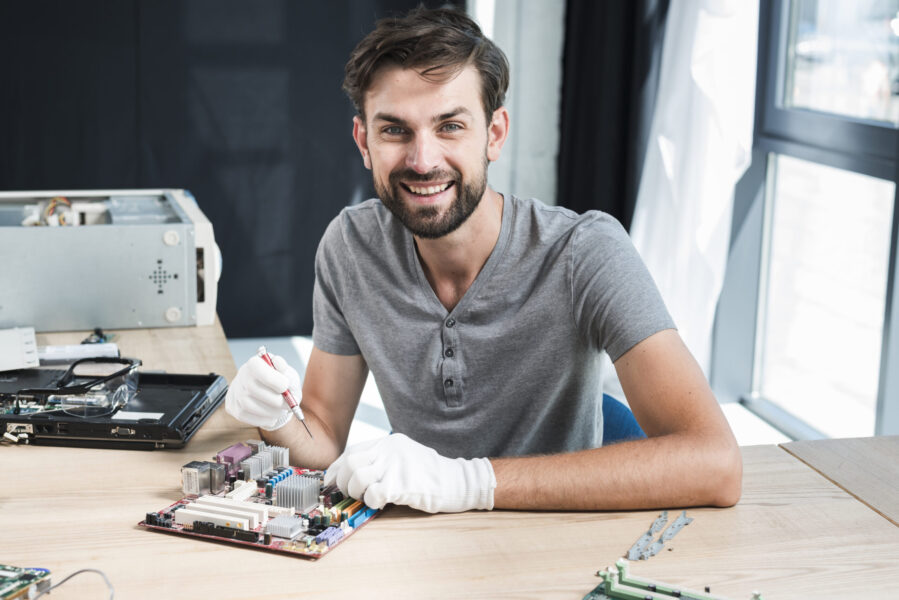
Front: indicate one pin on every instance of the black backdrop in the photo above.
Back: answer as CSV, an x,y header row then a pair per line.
x,y
611,64
237,101
240,102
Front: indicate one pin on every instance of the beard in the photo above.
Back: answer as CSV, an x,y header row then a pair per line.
x,y
428,221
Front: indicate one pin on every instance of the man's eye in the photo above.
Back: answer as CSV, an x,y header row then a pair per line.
x,y
393,130
451,127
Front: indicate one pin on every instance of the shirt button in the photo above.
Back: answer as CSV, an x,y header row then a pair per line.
x,y
450,322
448,383
448,353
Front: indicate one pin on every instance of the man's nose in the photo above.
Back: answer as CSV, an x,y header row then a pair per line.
x,y
423,154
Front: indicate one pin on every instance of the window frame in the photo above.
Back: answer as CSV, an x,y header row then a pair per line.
x,y
847,143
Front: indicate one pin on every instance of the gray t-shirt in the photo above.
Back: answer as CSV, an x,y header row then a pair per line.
x,y
514,369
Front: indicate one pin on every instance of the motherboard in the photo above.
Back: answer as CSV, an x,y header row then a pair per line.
x,y
250,495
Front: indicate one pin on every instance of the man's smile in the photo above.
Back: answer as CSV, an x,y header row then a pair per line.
x,y
427,190
427,193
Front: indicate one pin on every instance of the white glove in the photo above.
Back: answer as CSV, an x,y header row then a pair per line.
x,y
399,470
254,396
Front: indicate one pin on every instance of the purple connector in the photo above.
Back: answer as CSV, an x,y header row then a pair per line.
x,y
232,455
331,536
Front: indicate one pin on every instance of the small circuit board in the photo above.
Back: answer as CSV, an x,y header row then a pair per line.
x,y
249,495
619,584
19,582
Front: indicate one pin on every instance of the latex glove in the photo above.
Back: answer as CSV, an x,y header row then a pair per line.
x,y
399,470
254,396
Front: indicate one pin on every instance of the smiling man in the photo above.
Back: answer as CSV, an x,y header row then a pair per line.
x,y
482,317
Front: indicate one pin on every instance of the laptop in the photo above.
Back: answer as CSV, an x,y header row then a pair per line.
x,y
106,403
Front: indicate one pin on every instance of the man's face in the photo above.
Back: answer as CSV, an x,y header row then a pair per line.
x,y
428,146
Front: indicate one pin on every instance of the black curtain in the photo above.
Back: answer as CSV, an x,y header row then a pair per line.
x,y
610,76
237,101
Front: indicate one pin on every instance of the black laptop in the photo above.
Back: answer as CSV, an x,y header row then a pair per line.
x,y
106,403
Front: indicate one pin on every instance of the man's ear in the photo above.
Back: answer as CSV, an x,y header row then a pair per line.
x,y
361,138
497,132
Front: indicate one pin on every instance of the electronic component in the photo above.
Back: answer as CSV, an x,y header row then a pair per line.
x,y
297,491
618,583
137,258
107,403
260,510
242,490
285,526
641,544
188,515
679,523
643,550
18,582
231,457
195,478
254,466
247,516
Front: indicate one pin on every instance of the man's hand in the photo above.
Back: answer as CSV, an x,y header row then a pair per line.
x,y
254,396
399,470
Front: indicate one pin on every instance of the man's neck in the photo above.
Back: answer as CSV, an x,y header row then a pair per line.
x,y
452,262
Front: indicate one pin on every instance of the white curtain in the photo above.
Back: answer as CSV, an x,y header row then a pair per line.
x,y
699,145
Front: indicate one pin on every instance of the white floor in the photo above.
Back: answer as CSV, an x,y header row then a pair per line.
x,y
371,421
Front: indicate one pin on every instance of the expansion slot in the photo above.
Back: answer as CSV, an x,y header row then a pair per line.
x,y
187,516
260,510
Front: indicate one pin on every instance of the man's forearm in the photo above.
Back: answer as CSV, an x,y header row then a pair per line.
x,y
670,470
316,452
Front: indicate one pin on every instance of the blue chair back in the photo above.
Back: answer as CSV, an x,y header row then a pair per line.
x,y
618,422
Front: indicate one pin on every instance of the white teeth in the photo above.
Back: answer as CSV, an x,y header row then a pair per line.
x,y
427,191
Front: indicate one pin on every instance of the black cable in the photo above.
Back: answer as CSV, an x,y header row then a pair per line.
x,y
97,571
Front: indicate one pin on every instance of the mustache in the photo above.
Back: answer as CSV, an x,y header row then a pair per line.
x,y
412,176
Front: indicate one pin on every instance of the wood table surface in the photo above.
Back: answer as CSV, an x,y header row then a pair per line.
x,y
867,468
794,534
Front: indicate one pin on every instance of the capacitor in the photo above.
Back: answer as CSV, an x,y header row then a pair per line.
x,y
268,489
267,539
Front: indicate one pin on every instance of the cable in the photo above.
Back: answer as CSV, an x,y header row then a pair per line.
x,y
97,571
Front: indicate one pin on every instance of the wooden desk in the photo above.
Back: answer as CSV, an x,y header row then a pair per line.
x,y
793,535
867,468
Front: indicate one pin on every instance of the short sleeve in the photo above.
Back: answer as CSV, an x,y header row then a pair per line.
x,y
330,331
614,298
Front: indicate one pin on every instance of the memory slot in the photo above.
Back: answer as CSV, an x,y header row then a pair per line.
x,y
251,517
187,516
260,510
344,503
350,510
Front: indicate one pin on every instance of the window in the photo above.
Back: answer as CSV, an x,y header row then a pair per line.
x,y
804,335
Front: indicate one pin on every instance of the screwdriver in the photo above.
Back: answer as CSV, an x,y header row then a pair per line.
x,y
288,397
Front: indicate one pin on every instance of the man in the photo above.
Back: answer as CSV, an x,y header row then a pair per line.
x,y
482,317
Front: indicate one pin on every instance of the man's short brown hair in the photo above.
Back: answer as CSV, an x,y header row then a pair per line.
x,y
438,43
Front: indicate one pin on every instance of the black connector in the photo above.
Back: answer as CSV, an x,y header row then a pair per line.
x,y
230,533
